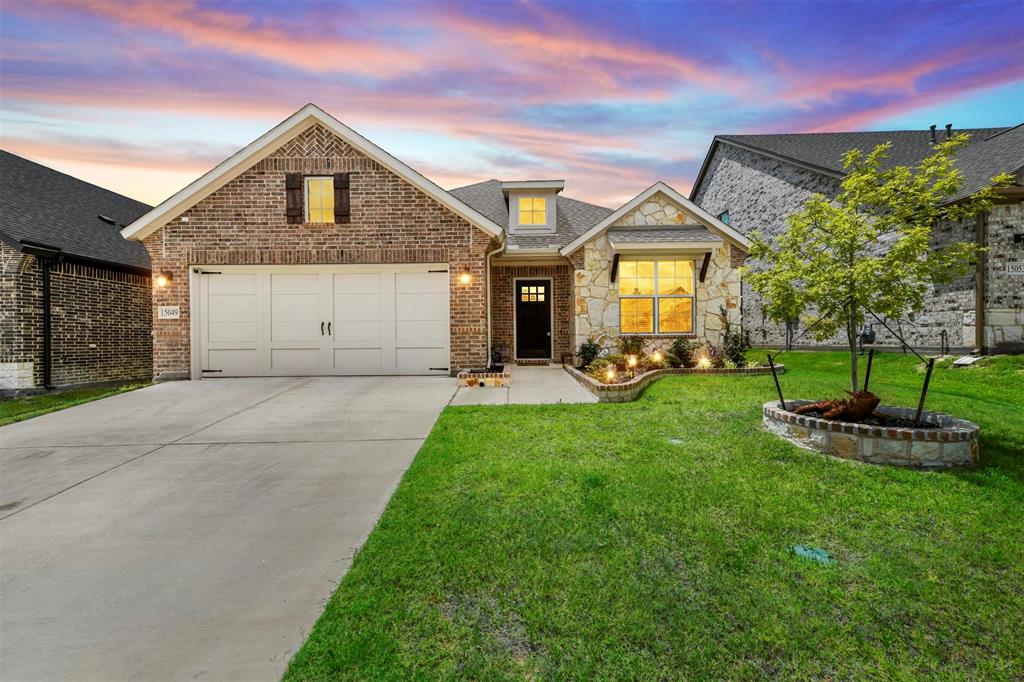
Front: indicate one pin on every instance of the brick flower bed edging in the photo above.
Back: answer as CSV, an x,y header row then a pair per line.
x,y
471,379
631,390
953,444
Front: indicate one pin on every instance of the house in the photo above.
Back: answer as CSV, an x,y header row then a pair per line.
x,y
75,296
313,251
753,182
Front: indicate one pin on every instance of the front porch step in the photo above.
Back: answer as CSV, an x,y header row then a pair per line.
x,y
533,363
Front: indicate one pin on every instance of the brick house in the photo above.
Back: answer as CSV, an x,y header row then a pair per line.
x,y
313,251
75,296
755,181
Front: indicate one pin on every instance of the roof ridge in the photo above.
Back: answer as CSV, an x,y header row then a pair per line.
x,y
924,131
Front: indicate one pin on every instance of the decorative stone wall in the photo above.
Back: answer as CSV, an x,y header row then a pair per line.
x,y
954,443
630,390
760,192
244,223
597,298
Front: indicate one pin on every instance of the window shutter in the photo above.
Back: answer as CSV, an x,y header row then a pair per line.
x,y
341,198
293,197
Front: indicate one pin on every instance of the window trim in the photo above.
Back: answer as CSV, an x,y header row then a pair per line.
x,y
532,226
656,297
305,197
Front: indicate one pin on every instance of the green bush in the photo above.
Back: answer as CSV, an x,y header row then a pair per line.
x,y
681,352
631,345
588,352
735,344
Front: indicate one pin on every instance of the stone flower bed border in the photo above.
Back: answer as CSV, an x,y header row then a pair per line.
x,y
954,444
631,390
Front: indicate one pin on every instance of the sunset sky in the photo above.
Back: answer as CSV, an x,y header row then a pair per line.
x,y
144,97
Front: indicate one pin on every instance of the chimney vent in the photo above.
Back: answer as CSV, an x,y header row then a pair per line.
x,y
932,128
949,130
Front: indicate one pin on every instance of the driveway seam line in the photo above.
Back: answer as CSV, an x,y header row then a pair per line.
x,y
149,452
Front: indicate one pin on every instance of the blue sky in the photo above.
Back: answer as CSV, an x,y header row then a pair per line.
x,y
142,97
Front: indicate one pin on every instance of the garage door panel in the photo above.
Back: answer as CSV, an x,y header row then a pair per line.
x,y
240,333
295,284
227,284
419,333
367,333
359,283
421,307
233,308
421,283
298,359
282,332
234,360
358,360
357,307
420,360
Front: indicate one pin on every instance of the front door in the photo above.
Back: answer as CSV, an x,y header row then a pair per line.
x,y
533,318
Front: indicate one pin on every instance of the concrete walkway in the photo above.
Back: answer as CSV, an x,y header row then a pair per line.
x,y
194,529
530,385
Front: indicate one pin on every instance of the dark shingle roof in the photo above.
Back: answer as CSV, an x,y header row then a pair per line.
x,y
825,150
662,233
1000,153
45,207
572,217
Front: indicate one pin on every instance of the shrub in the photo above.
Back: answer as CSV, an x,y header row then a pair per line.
x,y
631,345
599,370
648,363
681,352
588,352
735,344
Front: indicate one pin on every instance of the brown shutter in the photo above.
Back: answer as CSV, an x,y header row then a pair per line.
x,y
293,197
341,198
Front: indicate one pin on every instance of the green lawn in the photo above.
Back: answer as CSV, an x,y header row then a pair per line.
x,y
651,540
20,409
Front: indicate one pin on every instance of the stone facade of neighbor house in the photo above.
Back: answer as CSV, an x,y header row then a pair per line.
x,y
760,191
245,223
597,297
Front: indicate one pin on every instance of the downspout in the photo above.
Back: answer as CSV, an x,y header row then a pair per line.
x,y
487,280
45,263
979,285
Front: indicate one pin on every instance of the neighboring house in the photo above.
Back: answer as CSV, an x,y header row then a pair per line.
x,y
75,301
753,182
313,251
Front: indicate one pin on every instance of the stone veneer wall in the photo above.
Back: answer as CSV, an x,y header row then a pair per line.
x,y
503,307
760,192
100,324
244,223
597,298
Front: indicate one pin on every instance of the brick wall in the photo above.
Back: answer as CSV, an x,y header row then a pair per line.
x,y
100,324
503,306
244,222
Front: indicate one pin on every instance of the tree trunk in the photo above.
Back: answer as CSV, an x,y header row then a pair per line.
x,y
851,337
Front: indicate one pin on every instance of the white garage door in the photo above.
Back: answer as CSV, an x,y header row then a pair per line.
x,y
312,320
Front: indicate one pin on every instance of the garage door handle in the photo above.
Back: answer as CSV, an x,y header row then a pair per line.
x,y
321,329
328,329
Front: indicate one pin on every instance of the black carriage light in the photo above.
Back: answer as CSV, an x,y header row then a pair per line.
x,y
865,337
162,279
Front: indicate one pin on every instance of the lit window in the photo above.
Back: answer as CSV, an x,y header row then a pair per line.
x,y
531,294
656,296
533,211
320,200
724,217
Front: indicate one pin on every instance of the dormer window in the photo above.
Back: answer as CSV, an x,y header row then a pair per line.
x,y
533,211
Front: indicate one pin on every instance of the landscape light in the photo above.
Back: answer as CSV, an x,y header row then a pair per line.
x,y
610,374
632,361
656,356
704,362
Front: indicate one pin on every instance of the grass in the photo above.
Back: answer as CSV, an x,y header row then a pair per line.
x,y
19,409
652,540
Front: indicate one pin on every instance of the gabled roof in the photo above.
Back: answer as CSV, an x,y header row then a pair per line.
x,y
266,144
42,207
709,220
572,217
823,152
1000,153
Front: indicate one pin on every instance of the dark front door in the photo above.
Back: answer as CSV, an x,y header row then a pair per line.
x,y
533,318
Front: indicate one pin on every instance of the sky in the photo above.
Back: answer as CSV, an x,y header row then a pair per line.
x,y
143,97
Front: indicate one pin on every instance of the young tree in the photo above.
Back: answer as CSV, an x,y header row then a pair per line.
x,y
870,249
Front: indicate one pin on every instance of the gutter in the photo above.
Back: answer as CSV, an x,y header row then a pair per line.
x,y
47,256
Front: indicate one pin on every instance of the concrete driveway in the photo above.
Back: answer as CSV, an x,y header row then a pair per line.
x,y
194,529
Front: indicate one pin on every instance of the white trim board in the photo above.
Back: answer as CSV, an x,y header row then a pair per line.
x,y
266,144
709,220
